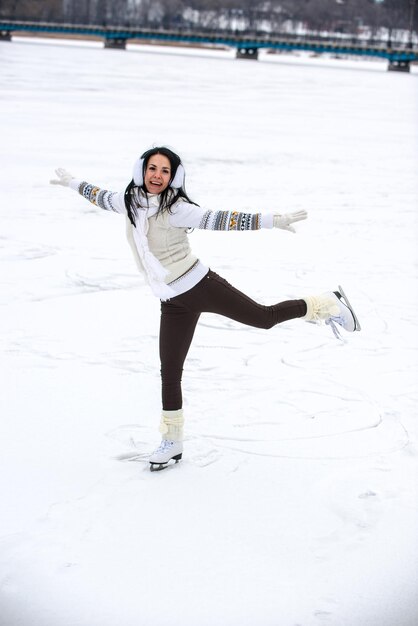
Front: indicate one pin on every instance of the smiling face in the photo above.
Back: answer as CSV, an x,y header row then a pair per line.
x,y
157,174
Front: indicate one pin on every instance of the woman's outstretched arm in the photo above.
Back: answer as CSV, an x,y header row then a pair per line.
x,y
187,215
107,200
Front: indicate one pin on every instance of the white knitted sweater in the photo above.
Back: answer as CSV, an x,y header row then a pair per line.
x,y
160,243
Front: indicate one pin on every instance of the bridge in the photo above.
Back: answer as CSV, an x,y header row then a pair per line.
x,y
247,46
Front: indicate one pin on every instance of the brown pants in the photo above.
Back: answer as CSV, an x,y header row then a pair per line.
x,y
180,315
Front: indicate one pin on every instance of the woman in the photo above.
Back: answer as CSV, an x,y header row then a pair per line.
x,y
158,214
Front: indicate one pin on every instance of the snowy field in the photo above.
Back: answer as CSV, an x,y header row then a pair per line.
x,y
296,500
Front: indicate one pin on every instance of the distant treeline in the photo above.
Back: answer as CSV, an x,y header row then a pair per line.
x,y
252,16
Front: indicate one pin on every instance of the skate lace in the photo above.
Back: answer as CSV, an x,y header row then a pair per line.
x,y
165,445
333,321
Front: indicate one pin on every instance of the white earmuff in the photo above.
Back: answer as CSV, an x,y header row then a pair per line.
x,y
176,183
178,180
137,176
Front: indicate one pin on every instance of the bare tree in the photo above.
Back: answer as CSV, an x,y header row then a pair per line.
x,y
345,16
31,10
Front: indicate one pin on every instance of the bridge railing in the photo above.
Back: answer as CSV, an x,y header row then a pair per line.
x,y
365,40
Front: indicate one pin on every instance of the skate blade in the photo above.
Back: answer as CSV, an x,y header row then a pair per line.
x,y
158,467
347,302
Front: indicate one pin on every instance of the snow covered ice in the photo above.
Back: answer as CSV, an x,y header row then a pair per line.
x,y
295,503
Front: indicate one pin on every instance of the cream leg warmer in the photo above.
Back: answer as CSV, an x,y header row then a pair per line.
x,y
171,425
320,307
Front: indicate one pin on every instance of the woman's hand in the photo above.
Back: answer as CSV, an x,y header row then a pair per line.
x,y
63,179
285,221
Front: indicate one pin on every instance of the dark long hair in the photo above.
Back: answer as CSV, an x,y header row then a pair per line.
x,y
167,198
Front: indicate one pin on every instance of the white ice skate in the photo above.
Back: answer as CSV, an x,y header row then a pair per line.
x,y
167,451
335,309
346,317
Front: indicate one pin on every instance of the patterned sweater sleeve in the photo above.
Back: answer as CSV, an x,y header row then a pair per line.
x,y
186,215
107,200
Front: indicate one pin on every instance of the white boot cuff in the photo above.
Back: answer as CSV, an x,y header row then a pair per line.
x,y
319,308
171,425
